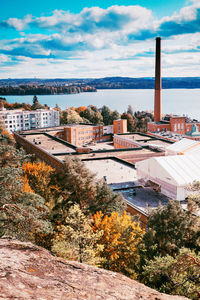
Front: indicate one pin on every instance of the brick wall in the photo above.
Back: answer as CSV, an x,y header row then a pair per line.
x,y
119,126
40,153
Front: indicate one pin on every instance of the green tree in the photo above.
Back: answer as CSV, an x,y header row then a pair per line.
x,y
106,200
36,103
131,122
178,275
92,115
169,229
76,186
106,114
130,110
114,116
26,218
75,240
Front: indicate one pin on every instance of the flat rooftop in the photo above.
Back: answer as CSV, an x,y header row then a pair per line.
x,y
123,178
128,155
145,140
145,198
101,146
57,128
114,171
48,144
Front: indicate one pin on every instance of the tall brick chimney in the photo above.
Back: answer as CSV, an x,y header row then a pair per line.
x,y
157,97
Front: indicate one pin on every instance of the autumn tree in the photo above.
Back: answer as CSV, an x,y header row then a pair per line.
x,y
75,240
178,275
121,238
70,116
80,109
41,178
5,137
22,215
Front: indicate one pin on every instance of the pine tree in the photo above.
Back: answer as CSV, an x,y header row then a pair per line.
x,y
76,186
36,103
178,275
26,218
106,200
170,228
75,240
130,110
106,114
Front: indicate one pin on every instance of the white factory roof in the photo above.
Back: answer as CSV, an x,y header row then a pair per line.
x,y
179,170
114,171
184,146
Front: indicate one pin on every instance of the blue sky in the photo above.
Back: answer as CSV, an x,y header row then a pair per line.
x,y
70,39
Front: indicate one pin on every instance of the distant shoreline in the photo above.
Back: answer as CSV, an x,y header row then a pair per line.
x,y
59,86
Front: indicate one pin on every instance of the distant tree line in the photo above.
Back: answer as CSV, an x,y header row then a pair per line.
x,y
136,121
108,82
44,90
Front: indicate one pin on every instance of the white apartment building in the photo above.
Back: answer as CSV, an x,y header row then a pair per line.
x,y
15,120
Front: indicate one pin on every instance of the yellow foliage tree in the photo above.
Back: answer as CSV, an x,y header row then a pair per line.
x,y
26,187
121,238
39,176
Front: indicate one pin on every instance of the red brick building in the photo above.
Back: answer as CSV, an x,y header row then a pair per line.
x,y
178,125
119,126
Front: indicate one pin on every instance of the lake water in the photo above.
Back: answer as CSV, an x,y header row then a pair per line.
x,y
177,101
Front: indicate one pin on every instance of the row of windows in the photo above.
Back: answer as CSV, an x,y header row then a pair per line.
x,y
179,127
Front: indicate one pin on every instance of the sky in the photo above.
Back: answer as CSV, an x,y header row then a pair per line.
x,y
93,38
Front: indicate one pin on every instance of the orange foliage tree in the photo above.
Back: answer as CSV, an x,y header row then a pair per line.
x,y
39,176
80,109
121,239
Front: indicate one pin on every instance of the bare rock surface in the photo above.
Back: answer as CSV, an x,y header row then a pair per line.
x,y
31,272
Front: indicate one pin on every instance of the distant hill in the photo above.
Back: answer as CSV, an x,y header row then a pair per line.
x,y
107,82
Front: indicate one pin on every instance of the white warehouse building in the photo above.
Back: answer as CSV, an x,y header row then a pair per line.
x,y
17,119
184,146
171,173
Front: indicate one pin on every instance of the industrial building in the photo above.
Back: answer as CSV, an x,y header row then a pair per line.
x,y
175,124
134,140
184,146
170,174
84,134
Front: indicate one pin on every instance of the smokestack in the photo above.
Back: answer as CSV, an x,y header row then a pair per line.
x,y
157,97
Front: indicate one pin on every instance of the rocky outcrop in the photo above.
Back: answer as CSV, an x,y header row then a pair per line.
x,y
31,272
